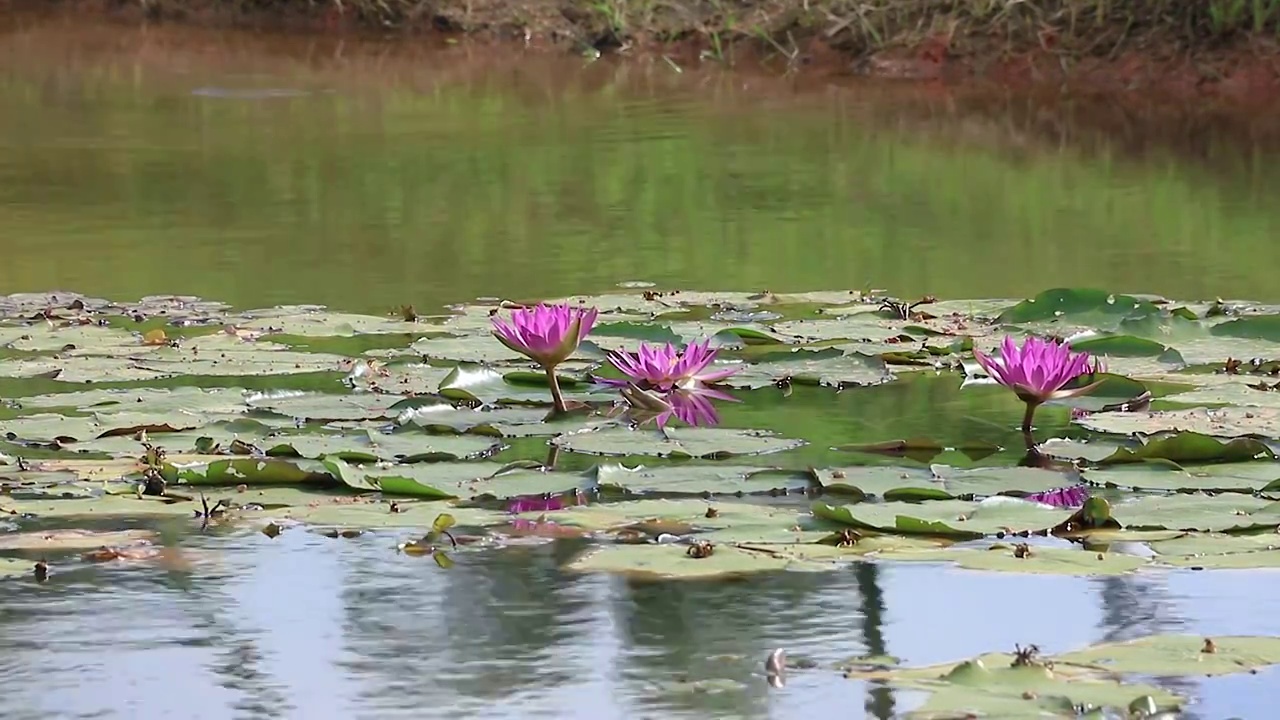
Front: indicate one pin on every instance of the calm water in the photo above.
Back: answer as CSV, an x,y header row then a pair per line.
x,y
263,170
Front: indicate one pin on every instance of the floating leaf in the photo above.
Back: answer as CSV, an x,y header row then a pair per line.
x,y
831,367
694,442
1176,655
673,562
1220,422
954,518
42,541
1226,477
1078,305
685,478
1003,557
1191,447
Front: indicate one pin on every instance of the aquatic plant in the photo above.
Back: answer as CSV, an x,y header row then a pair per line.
x,y
664,368
1038,371
1071,496
548,335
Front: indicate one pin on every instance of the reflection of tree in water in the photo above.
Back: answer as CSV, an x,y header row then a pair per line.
x,y
672,632
494,623
1135,606
879,702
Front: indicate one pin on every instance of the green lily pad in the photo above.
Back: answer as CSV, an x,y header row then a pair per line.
x,y
673,562
103,506
42,541
505,421
81,369
476,383
678,516
314,322
700,479
1219,422
156,401
1080,305
448,480
1230,512
954,518
1179,655
47,427
1001,557
13,568
248,361
831,367
367,446
691,442
1190,447
1198,545
249,471
1244,391
380,514
991,686
327,406
1226,477
940,483
1262,559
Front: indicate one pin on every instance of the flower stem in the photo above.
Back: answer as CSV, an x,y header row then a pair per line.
x,y
556,397
1028,417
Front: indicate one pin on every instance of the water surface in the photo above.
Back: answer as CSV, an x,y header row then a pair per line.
x,y
262,170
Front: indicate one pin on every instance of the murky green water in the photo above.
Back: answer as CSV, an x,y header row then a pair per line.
x,y
263,170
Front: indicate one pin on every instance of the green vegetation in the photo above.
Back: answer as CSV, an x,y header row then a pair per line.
x,y
132,426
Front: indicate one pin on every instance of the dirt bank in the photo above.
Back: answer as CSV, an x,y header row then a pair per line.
x,y
1218,48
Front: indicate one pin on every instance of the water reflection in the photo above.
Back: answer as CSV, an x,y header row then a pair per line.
x,y
307,626
879,702
399,163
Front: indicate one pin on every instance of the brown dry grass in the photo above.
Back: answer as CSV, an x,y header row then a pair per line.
x,y
1024,39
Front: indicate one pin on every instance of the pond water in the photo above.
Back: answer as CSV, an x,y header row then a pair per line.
x,y
260,170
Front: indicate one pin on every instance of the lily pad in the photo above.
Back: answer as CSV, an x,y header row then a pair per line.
x,y
673,562
41,541
1229,512
1004,557
992,686
693,442
940,483
955,518
1178,655
1190,447
327,406
1219,422
701,479
830,368
468,480
1078,305
1227,477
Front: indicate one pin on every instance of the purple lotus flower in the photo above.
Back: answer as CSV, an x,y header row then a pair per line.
x,y
664,368
1072,496
547,334
1038,371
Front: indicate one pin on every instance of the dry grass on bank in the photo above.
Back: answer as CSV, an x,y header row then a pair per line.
x,y
1092,27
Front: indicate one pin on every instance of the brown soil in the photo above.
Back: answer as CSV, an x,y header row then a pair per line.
x,y
1163,48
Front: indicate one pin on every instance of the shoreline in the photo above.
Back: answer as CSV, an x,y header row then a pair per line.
x,y
1182,55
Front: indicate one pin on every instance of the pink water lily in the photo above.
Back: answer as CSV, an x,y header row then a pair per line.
x,y
1072,496
664,368
548,335
1038,371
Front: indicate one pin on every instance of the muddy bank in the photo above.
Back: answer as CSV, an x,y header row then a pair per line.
x,y
1212,48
